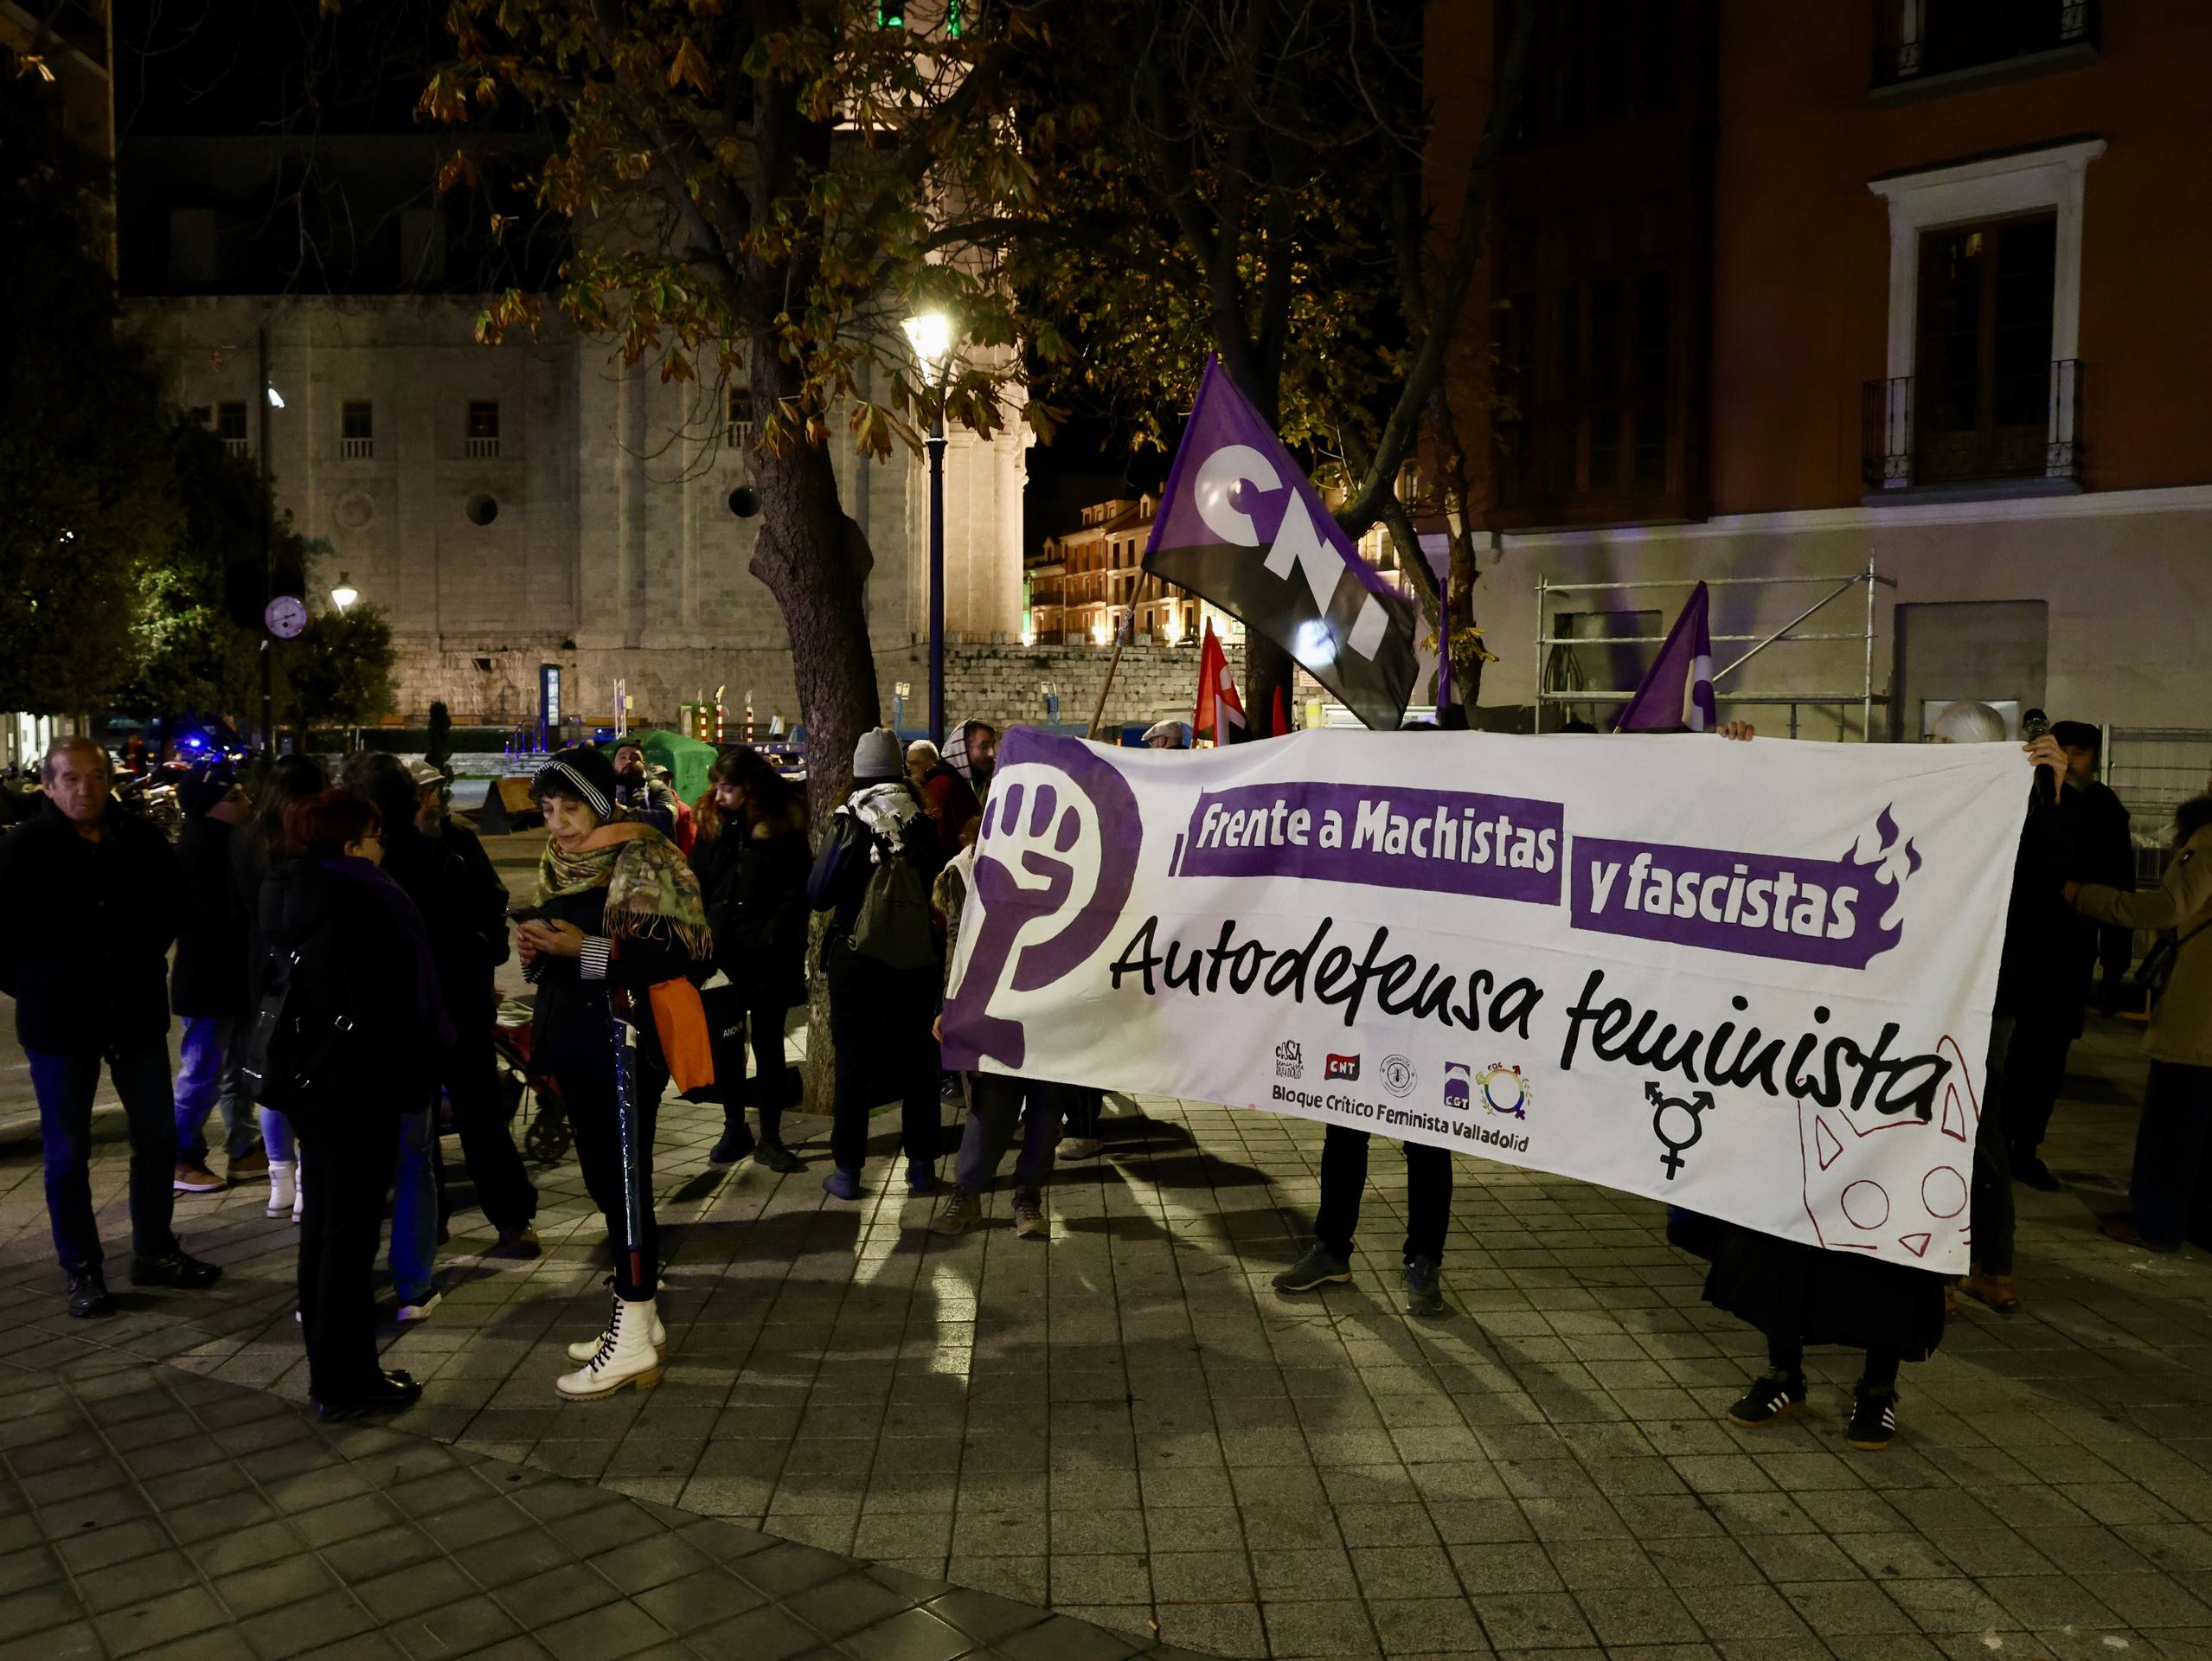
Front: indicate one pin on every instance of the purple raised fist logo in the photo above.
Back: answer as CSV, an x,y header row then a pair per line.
x,y
1054,864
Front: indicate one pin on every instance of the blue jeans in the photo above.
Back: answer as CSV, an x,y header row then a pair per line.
x,y
275,1135
206,1079
66,1085
414,1207
996,1099
2173,1154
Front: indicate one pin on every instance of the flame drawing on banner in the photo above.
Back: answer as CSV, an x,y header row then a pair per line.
x,y
1893,859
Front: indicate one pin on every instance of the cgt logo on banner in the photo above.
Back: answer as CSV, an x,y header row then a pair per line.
x,y
1783,954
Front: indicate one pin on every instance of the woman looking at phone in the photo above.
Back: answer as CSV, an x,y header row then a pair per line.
x,y
619,912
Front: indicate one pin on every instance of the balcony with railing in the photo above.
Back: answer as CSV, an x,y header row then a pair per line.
x,y
483,449
1923,47
2021,432
357,448
240,448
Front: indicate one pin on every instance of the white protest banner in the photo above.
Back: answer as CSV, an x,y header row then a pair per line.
x,y
1752,979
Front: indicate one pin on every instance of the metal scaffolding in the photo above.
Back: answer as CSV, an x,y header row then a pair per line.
x,y
1866,698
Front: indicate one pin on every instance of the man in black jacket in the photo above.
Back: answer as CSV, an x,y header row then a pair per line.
x,y
90,893
2034,1064
464,906
503,1183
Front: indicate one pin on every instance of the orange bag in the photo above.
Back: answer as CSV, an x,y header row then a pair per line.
x,y
681,1021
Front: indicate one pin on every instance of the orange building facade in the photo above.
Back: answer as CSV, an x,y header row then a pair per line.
x,y
1788,292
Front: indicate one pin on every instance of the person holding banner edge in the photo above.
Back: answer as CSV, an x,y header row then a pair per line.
x,y
1797,1294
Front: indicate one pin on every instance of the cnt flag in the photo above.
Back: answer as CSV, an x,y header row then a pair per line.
x,y
1218,703
1685,665
1241,523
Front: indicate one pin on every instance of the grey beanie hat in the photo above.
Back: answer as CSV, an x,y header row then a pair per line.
x,y
879,756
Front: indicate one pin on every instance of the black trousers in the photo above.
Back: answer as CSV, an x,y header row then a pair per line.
x,y
1992,1184
1085,1105
2171,1189
346,1173
1343,1176
880,1027
599,1151
2035,1071
503,1183
764,1031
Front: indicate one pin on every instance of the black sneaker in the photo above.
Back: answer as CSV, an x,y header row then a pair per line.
x,y
1874,1420
736,1142
2037,1174
1424,1286
1767,1400
1319,1266
771,1153
174,1268
89,1295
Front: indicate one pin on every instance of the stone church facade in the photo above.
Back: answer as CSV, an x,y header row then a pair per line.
x,y
537,502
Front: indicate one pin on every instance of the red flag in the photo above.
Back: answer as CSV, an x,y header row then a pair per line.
x,y
1218,703
1280,726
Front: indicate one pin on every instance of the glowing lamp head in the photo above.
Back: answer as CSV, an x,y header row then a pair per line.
x,y
346,593
931,336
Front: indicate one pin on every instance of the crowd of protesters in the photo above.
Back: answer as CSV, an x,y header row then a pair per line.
x,y
667,944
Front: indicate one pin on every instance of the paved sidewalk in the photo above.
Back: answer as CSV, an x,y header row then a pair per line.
x,y
148,1511
1129,1426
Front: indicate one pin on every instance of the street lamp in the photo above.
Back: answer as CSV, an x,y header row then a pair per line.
x,y
931,336
344,594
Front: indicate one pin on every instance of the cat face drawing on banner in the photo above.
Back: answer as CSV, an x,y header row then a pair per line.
x,y
1916,1195
1054,862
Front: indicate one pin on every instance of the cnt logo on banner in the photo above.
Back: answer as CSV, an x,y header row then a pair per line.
x,y
1241,523
1752,980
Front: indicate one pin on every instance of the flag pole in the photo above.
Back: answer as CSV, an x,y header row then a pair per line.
x,y
1097,714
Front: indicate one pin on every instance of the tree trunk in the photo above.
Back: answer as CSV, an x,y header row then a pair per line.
x,y
815,560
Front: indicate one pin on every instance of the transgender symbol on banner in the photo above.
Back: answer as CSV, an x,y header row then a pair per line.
x,y
1242,524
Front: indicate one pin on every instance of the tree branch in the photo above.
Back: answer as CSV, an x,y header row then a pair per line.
x,y
1398,432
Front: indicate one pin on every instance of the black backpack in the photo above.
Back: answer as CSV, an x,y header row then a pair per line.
x,y
892,925
290,1050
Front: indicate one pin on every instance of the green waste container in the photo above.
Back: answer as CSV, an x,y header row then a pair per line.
x,y
686,759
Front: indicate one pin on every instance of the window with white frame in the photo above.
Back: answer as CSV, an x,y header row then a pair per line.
x,y
1983,381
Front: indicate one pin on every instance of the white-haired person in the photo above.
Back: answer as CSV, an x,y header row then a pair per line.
x,y
2035,982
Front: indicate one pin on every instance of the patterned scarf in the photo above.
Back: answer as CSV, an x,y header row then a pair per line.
x,y
651,892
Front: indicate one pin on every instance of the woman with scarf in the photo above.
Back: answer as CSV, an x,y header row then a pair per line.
x,y
882,1007
363,979
617,913
751,858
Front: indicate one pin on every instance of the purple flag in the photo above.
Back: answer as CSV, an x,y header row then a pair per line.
x,y
1685,665
1241,523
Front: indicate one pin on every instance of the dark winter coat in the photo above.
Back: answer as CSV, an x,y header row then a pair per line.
x,y
572,1035
249,868
754,884
209,977
85,931
1797,1294
484,877
356,960
838,881
2038,976
466,917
